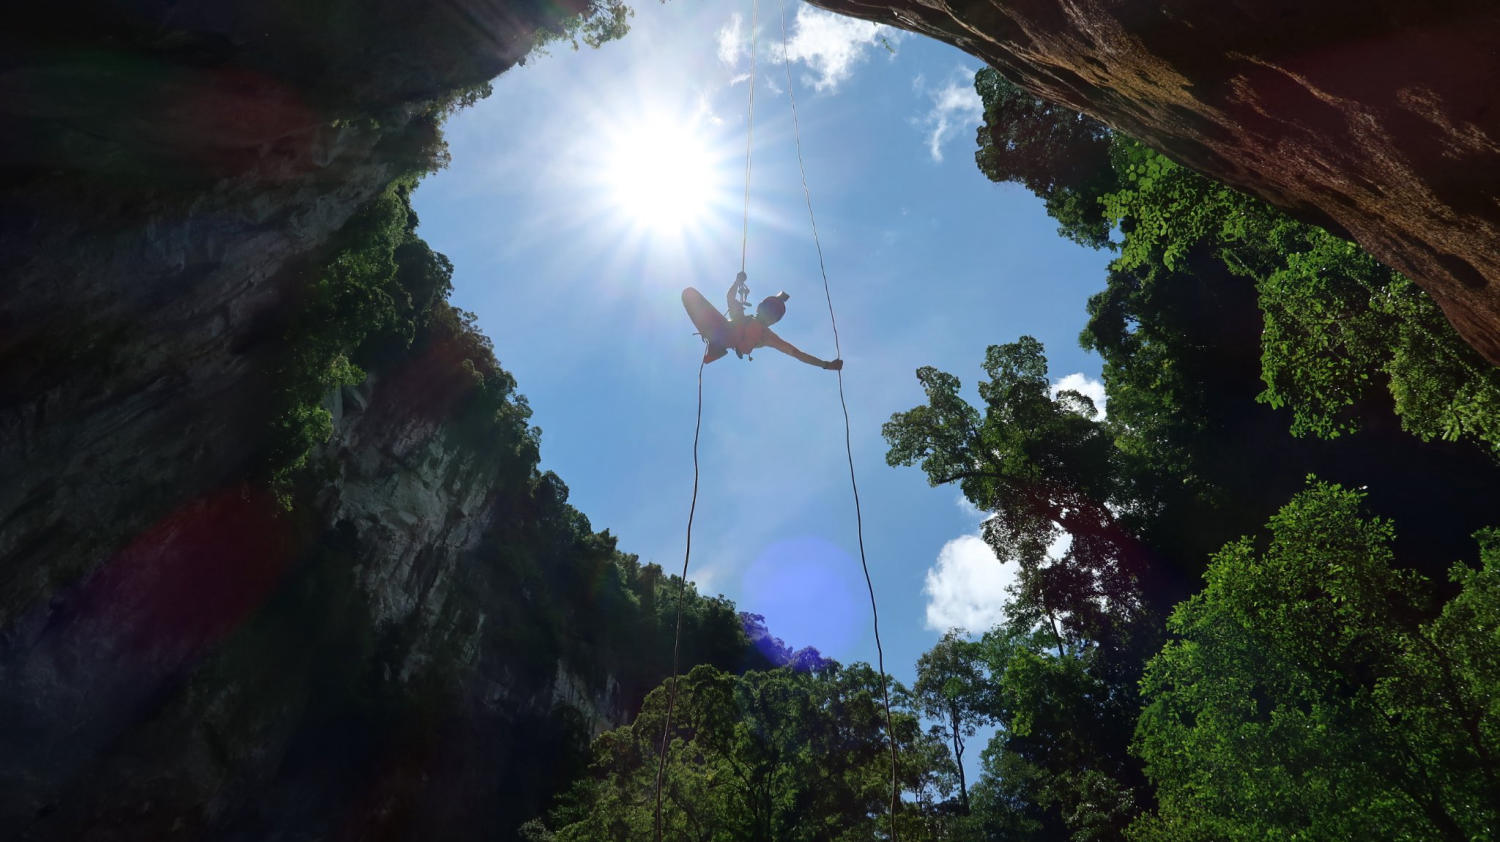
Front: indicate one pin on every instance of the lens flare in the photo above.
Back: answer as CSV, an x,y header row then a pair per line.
x,y
809,591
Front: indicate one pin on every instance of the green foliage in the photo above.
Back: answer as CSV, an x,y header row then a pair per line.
x,y
1185,353
366,303
1306,699
598,24
1337,323
1062,670
777,755
1045,466
950,688
1345,686
1059,765
1060,155
380,281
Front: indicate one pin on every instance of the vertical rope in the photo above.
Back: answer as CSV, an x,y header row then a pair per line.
x,y
666,731
848,445
749,132
666,728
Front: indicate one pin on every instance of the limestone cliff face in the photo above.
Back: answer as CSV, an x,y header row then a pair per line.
x,y
179,657
139,334
165,172
234,667
1381,118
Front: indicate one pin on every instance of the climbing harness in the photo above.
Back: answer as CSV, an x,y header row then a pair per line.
x,y
848,446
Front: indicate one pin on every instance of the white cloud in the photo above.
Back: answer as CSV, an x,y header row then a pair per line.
x,y
971,511
1078,382
956,107
703,111
832,44
732,39
967,587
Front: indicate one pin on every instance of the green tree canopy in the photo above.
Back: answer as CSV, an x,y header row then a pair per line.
x,y
764,757
1045,467
1058,154
1339,327
951,689
1063,668
1307,698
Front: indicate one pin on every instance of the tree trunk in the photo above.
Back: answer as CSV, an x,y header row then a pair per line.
x,y
958,759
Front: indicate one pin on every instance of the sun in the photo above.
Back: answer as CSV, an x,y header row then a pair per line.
x,y
663,175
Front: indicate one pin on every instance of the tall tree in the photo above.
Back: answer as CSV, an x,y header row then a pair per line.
x,y
1046,467
760,757
951,688
1081,623
1307,698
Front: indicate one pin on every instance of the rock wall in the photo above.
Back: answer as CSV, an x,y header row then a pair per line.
x,y
179,656
166,173
1379,118
235,667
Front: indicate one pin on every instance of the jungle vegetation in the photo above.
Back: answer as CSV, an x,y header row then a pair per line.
x,y
1277,616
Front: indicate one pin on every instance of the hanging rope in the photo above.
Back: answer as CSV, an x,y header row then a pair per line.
x,y
749,132
666,729
848,446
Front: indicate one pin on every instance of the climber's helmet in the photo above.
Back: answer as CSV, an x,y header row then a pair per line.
x,y
772,309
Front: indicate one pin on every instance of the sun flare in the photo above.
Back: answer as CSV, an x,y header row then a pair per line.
x,y
663,174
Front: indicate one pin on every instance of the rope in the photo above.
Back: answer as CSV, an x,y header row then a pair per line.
x,y
749,132
848,446
666,729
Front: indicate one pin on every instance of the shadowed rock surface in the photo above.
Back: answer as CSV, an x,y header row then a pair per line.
x,y
181,657
1381,118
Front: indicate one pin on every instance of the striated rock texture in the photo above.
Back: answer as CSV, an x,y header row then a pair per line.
x,y
1379,118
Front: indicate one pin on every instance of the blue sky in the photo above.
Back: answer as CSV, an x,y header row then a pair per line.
x,y
592,186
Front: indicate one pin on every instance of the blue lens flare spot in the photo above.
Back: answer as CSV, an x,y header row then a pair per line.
x,y
810,592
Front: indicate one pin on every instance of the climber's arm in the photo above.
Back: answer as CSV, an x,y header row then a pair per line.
x,y
734,299
771,340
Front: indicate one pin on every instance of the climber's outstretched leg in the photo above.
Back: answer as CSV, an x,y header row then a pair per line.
x,y
711,324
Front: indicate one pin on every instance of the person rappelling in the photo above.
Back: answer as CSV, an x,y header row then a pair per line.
x,y
740,332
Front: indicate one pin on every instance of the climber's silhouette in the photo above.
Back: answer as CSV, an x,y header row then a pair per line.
x,y
742,333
